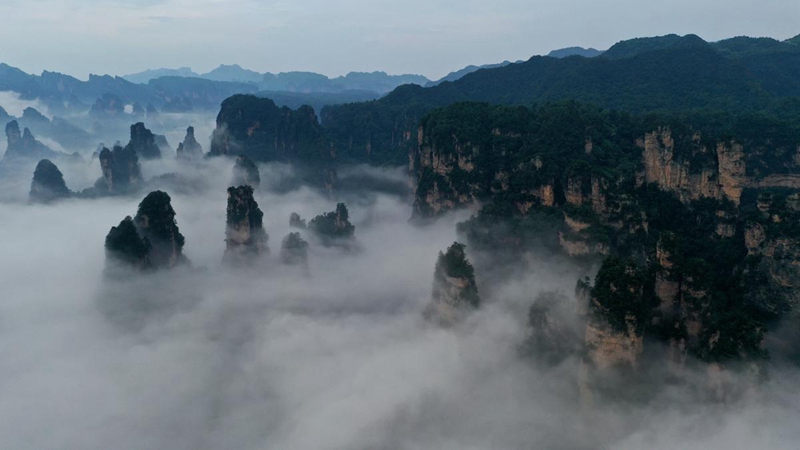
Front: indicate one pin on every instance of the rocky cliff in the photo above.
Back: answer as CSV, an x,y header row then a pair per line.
x,y
455,292
258,129
48,183
155,222
22,145
190,148
143,142
121,171
334,228
705,222
245,238
126,250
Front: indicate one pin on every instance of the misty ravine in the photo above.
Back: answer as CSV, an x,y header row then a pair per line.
x,y
589,249
269,357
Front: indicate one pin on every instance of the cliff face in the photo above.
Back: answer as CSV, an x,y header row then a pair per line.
x,y
258,129
710,220
48,183
121,171
264,132
454,289
334,228
155,222
24,145
190,148
245,238
718,173
147,242
143,142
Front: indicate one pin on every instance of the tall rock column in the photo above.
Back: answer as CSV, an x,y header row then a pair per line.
x,y
245,238
455,292
48,183
190,148
155,221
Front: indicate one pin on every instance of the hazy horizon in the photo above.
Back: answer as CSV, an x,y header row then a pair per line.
x,y
426,38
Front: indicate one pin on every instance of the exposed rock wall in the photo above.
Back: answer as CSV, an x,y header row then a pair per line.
x,y
245,238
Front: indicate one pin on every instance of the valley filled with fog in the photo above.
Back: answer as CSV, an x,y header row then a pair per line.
x,y
547,248
268,356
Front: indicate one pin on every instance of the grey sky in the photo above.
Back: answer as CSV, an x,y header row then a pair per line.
x,y
429,37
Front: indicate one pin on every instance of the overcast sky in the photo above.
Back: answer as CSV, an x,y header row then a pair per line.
x,y
429,37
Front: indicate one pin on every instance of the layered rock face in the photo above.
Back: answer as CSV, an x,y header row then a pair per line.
x,y
48,183
143,142
245,238
334,228
245,172
121,171
721,173
455,292
155,221
190,148
616,317
294,250
710,217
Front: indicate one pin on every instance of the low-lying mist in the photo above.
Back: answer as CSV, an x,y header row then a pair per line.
x,y
270,357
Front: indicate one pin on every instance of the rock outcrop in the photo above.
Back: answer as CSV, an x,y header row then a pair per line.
x,y
143,142
109,106
23,145
245,172
155,221
126,250
190,148
48,183
455,292
294,250
245,238
263,132
614,338
121,171
334,228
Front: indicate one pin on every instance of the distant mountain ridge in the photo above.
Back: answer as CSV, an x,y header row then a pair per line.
x,y
575,51
307,82
458,74
735,75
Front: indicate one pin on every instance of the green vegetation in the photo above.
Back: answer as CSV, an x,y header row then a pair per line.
x,y
143,142
48,183
619,294
121,170
333,227
454,278
749,76
155,221
258,129
123,244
